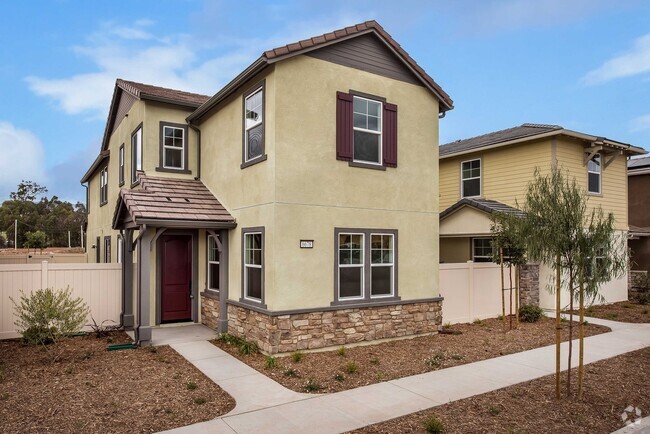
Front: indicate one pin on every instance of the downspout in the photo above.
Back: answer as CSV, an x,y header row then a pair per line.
x,y
141,230
87,212
198,150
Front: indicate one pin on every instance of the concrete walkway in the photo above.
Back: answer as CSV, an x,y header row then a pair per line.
x,y
265,406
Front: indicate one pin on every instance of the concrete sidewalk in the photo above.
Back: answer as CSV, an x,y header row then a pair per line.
x,y
265,406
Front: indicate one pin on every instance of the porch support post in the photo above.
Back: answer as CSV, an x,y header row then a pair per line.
x,y
126,318
144,286
222,325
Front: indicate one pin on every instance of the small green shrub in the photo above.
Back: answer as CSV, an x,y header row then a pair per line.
x,y
494,411
436,360
245,347
447,325
270,362
152,349
351,367
380,376
457,357
339,377
341,351
500,317
374,361
530,313
290,372
47,315
4,396
477,321
312,385
191,385
200,401
297,356
433,425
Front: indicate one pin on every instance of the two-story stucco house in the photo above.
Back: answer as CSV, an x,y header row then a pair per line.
x,y
297,207
490,173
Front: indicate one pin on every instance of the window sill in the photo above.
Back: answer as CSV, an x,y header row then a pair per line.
x,y
101,204
366,301
135,184
168,170
591,193
121,184
210,293
366,165
253,161
249,302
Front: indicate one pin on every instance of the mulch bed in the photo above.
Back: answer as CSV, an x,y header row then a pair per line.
x,y
337,370
89,389
624,311
610,387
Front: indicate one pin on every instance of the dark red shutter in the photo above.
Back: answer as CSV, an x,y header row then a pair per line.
x,y
390,135
344,131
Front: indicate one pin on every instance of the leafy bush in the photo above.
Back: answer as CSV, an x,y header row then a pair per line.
x,y
297,356
36,240
191,385
351,367
530,313
245,347
312,385
270,362
46,315
290,373
433,425
341,351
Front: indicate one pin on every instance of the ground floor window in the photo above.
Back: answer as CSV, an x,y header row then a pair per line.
x,y
213,263
120,248
107,249
482,249
366,261
253,269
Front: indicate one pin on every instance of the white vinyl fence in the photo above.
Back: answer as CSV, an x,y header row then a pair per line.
x,y
99,285
472,290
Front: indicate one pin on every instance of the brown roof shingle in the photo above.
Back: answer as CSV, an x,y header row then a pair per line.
x,y
142,90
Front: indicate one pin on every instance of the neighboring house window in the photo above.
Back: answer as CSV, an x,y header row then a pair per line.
x,y
98,250
213,263
366,130
594,169
120,249
136,154
253,269
470,178
103,186
173,146
107,249
366,264
121,163
482,249
253,148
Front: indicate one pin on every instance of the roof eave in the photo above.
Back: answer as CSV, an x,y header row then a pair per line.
x,y
186,224
188,104
104,155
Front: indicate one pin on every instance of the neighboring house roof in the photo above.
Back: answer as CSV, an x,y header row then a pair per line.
x,y
638,166
524,133
307,45
486,205
171,202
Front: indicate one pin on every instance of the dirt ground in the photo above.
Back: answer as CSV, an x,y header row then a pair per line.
x,y
90,389
624,311
336,370
611,386
46,251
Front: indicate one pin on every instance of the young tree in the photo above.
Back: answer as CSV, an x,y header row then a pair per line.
x,y
36,240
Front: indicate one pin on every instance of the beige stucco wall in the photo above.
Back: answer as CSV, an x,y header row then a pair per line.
x,y
466,221
455,250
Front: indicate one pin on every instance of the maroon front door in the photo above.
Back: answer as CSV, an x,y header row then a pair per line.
x,y
176,278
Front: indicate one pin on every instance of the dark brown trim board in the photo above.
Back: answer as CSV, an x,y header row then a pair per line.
x,y
121,163
161,150
251,90
243,299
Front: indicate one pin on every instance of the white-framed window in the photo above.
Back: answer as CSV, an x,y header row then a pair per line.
x,y
121,165
470,178
482,249
253,265
136,154
351,269
254,124
367,146
173,147
103,186
213,263
594,173
382,266
120,249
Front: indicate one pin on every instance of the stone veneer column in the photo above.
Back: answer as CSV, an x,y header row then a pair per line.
x,y
529,284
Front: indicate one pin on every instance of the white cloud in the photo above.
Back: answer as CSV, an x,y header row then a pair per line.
x,y
22,158
641,123
633,62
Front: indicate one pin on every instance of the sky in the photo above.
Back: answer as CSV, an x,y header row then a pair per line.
x,y
582,64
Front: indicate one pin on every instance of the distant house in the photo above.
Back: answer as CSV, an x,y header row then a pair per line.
x,y
297,207
489,173
638,176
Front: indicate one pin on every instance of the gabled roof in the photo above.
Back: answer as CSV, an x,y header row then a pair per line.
x,y
301,47
485,205
168,202
103,156
638,163
524,133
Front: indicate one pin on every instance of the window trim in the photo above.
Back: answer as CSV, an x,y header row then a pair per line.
x,y
208,262
488,258
135,180
244,299
120,248
107,249
184,151
600,175
480,178
261,85
121,158
103,186
364,163
366,298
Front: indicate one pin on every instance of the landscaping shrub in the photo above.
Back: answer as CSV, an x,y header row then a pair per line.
x,y
270,362
312,385
341,351
245,347
433,425
351,367
530,313
47,315
297,356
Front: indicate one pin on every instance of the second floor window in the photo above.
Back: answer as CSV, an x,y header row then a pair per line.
x,y
103,186
254,125
173,147
121,157
470,178
136,154
367,131
594,174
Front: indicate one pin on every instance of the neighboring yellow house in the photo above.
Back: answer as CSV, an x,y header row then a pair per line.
x,y
489,173
305,211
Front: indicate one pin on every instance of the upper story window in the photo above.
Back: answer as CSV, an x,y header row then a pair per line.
x,y
470,178
103,186
482,249
121,163
173,147
594,172
253,146
366,130
136,154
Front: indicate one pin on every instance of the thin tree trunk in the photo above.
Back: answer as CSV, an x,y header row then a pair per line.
x,y
582,338
510,276
503,289
558,326
517,295
568,383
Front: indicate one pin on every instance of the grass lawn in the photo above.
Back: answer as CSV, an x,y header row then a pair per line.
x,y
89,389
610,387
624,311
347,368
